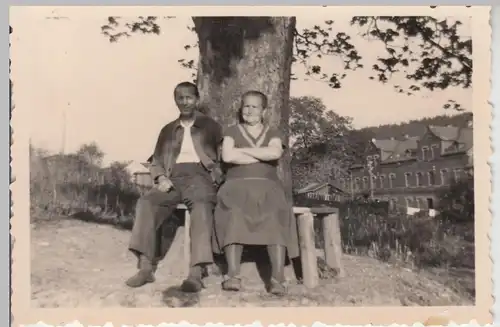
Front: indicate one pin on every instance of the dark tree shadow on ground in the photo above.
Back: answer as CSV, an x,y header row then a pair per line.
x,y
174,297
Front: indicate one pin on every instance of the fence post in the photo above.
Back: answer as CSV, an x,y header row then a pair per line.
x,y
333,242
308,250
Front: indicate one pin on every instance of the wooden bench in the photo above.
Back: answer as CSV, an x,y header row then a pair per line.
x,y
332,242
305,220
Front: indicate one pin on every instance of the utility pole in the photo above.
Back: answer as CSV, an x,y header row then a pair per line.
x,y
63,138
370,173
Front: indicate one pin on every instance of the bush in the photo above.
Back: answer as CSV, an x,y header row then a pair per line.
x,y
67,184
456,203
419,240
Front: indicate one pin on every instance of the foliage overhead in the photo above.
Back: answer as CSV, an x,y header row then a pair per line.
x,y
430,52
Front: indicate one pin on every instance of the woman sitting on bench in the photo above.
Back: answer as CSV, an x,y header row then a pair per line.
x,y
252,208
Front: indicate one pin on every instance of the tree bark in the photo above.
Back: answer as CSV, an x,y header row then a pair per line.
x,y
238,54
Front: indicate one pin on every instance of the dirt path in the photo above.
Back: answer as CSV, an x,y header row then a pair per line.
x,y
77,264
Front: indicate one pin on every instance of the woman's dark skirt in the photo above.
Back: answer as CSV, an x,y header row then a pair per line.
x,y
253,212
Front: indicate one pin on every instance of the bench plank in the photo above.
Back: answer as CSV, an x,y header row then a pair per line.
x,y
324,210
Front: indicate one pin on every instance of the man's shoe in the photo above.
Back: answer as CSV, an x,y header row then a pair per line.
x,y
192,285
141,278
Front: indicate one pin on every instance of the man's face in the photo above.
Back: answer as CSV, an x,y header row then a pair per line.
x,y
186,100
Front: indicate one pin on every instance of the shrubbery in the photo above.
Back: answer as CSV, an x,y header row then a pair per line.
x,y
74,183
69,184
418,240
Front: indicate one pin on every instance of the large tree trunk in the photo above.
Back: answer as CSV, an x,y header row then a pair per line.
x,y
238,54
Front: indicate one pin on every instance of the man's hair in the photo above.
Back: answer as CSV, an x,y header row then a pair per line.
x,y
188,85
255,93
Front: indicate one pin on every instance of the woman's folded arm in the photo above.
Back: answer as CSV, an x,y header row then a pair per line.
x,y
230,154
273,151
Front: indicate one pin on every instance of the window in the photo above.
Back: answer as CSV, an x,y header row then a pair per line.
x,y
418,179
420,203
356,183
393,203
382,181
434,151
348,185
430,203
444,176
456,174
408,202
392,179
374,182
342,183
365,183
425,153
407,179
432,177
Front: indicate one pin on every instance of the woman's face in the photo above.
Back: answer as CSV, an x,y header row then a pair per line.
x,y
252,111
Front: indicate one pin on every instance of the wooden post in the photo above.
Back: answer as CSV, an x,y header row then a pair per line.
x,y
187,239
333,242
308,250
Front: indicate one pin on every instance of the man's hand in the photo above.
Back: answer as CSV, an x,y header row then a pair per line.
x,y
164,184
217,176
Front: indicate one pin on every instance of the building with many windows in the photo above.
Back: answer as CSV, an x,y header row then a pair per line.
x,y
409,171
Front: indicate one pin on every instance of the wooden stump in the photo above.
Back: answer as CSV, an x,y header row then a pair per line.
x,y
178,255
187,239
333,242
308,250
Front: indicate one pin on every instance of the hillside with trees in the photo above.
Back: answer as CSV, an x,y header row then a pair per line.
x,y
415,127
325,144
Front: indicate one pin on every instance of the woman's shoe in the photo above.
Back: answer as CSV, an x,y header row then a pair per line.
x,y
276,288
232,284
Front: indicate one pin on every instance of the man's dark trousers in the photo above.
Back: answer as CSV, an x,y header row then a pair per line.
x,y
194,187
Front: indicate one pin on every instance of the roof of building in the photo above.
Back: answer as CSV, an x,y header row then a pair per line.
x,y
394,150
461,135
136,167
317,186
311,188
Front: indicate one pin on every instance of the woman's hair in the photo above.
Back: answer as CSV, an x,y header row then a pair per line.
x,y
254,93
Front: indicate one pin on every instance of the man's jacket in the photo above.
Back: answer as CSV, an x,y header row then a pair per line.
x,y
207,139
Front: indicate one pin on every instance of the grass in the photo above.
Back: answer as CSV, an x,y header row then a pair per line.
x,y
71,269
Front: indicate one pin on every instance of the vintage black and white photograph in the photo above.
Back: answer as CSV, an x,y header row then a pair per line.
x,y
252,161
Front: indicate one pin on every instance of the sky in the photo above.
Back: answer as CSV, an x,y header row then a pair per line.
x,y
120,95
